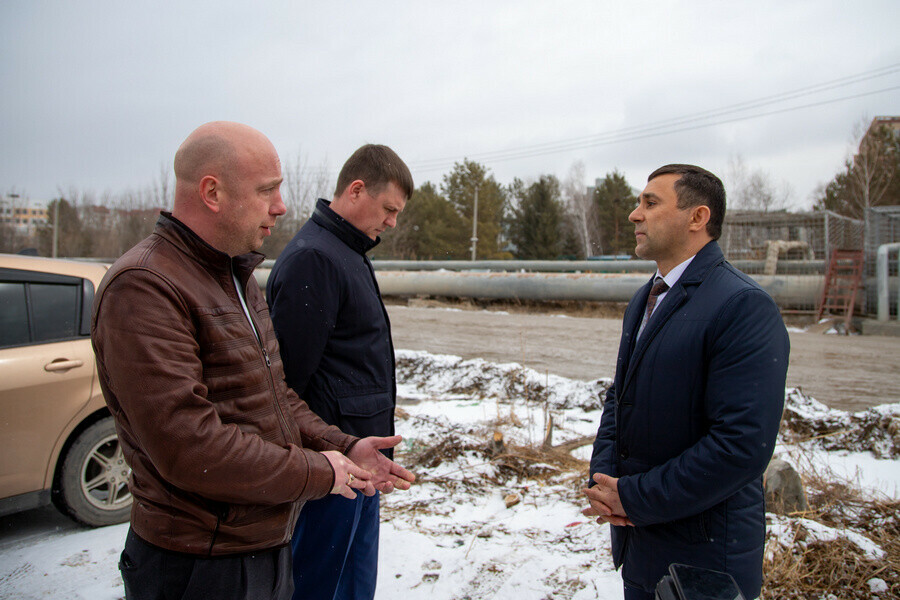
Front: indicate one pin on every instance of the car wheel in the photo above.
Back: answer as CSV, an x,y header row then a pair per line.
x,y
93,483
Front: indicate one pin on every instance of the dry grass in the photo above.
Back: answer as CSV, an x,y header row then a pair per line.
x,y
837,568
819,569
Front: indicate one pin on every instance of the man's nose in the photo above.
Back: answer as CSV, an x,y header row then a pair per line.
x,y
278,207
391,221
635,215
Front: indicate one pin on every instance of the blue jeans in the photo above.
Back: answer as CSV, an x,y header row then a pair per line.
x,y
335,549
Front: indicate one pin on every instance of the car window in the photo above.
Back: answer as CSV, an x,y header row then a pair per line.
x,y
54,310
38,307
13,315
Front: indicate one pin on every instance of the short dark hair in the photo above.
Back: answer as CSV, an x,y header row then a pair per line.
x,y
698,187
376,166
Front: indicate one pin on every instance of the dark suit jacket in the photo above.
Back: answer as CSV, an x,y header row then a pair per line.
x,y
690,422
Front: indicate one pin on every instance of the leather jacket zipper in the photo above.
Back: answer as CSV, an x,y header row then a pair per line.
x,y
282,420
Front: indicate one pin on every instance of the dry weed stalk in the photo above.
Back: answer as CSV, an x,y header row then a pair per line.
x,y
837,568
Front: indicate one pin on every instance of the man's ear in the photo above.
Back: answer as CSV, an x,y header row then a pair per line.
x,y
699,218
209,188
355,189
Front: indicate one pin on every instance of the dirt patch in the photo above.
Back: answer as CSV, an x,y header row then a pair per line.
x,y
847,372
572,308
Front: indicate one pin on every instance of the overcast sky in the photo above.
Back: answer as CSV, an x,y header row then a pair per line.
x,y
98,95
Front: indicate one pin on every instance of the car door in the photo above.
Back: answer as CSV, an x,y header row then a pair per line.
x,y
46,370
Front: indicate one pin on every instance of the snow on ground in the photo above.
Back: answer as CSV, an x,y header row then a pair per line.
x,y
76,563
485,522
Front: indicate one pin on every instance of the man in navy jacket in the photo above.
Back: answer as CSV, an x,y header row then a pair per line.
x,y
690,422
335,340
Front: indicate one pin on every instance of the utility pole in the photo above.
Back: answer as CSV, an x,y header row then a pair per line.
x,y
475,224
55,228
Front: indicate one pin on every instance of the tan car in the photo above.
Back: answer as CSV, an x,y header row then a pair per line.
x,y
57,439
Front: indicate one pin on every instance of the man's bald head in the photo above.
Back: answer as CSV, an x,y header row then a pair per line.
x,y
227,179
214,149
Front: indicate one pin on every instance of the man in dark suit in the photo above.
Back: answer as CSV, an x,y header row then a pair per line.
x,y
690,422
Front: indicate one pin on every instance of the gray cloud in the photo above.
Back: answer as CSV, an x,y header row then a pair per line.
x,y
99,96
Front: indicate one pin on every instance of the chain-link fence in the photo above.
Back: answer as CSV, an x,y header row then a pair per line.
x,y
883,227
812,235
801,244
785,243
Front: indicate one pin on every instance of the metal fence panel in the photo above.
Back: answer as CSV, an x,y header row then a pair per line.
x,y
883,227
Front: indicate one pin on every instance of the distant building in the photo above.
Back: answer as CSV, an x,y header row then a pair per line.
x,y
24,214
599,181
892,123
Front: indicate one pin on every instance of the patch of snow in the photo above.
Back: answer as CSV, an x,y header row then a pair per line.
x,y
784,530
452,535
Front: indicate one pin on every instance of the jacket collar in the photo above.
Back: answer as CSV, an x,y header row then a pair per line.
x,y
704,262
709,256
340,227
213,260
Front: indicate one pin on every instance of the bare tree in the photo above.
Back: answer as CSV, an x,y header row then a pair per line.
x,y
755,190
161,189
303,184
580,208
869,177
872,168
133,214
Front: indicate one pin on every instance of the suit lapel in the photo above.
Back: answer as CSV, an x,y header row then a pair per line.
x,y
633,316
705,260
674,298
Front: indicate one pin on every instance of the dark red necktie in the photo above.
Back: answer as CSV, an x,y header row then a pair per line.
x,y
659,286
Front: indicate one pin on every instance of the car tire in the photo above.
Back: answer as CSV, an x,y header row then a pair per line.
x,y
93,483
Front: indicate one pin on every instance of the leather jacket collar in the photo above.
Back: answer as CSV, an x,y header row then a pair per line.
x,y
214,260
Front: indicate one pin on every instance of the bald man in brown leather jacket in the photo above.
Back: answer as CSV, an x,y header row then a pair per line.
x,y
223,453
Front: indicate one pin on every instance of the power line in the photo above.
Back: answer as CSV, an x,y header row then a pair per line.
x,y
670,126
668,131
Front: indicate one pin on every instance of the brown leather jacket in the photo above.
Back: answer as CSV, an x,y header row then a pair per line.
x,y
223,453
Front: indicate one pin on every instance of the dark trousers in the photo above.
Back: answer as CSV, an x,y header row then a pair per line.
x,y
152,573
335,549
636,593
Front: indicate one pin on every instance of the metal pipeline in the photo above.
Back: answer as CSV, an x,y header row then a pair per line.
x,y
884,282
789,291
795,267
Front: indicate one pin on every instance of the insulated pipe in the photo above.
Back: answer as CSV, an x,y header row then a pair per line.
x,y
810,267
539,266
789,291
881,269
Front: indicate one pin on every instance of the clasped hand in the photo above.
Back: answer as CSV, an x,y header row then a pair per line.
x,y
604,501
367,470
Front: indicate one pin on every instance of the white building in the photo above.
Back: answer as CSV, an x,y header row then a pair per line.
x,y
24,214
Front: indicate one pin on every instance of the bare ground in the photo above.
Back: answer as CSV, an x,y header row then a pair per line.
x,y
846,372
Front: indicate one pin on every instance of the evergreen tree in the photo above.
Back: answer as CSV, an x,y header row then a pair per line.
x,y
459,188
615,200
429,228
535,229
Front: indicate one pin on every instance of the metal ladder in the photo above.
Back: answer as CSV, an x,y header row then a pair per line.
x,y
843,280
